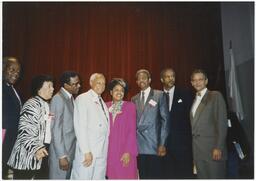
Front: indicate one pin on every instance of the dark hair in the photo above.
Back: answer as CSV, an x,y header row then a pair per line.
x,y
165,70
65,77
143,71
37,83
196,71
118,81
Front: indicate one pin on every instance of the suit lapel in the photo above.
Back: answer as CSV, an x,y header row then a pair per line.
x,y
138,103
147,106
66,99
138,107
150,95
175,99
200,108
13,96
96,101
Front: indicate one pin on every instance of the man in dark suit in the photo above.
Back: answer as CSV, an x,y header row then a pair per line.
x,y
11,109
152,130
209,129
178,161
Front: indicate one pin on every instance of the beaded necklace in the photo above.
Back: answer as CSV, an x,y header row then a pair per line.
x,y
116,108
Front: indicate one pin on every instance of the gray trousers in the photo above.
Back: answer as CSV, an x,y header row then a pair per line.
x,y
210,169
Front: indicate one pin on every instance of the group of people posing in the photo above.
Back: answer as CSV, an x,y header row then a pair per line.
x,y
157,135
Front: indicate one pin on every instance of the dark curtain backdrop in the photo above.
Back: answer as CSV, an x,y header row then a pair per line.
x,y
116,39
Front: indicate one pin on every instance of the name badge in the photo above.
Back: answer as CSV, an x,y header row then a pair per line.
x,y
152,102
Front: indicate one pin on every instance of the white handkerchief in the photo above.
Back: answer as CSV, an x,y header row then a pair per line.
x,y
152,102
180,100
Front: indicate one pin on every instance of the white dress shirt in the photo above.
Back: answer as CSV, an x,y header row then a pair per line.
x,y
198,100
146,93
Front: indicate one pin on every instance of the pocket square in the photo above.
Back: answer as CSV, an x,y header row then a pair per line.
x,y
180,100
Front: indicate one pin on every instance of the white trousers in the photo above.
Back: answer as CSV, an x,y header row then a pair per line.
x,y
96,171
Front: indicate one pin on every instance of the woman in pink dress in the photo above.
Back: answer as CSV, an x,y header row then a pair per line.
x,y
122,149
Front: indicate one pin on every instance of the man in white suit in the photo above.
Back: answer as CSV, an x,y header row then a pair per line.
x,y
91,123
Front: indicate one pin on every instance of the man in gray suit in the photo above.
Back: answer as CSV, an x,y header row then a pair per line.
x,y
62,147
209,129
152,130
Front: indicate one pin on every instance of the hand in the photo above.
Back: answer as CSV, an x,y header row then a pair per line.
x,y
63,163
161,151
216,154
41,153
125,159
87,159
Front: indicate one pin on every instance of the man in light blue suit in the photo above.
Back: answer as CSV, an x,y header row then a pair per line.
x,y
152,116
62,147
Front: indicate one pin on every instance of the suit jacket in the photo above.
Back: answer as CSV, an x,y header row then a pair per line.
x,y
179,141
31,135
92,130
11,114
209,126
63,135
151,122
122,139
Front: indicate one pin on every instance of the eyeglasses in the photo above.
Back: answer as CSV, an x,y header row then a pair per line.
x,y
74,84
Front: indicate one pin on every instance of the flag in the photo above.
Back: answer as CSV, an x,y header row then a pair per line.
x,y
234,94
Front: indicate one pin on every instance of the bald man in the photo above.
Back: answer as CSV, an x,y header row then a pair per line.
x,y
91,124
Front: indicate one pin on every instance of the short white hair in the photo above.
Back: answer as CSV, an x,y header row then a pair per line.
x,y
94,76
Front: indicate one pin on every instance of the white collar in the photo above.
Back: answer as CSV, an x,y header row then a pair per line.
x,y
94,94
171,90
146,91
66,92
203,92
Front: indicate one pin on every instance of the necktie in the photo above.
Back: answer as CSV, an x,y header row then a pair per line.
x,y
72,101
142,100
198,94
102,107
167,99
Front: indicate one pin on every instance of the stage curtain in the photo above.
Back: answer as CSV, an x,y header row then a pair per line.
x,y
116,39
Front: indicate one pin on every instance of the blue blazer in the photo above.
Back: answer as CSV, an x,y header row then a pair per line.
x,y
151,122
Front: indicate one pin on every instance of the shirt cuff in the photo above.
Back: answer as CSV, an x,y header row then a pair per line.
x,y
64,156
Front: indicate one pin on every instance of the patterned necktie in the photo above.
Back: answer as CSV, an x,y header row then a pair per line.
x,y
103,107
